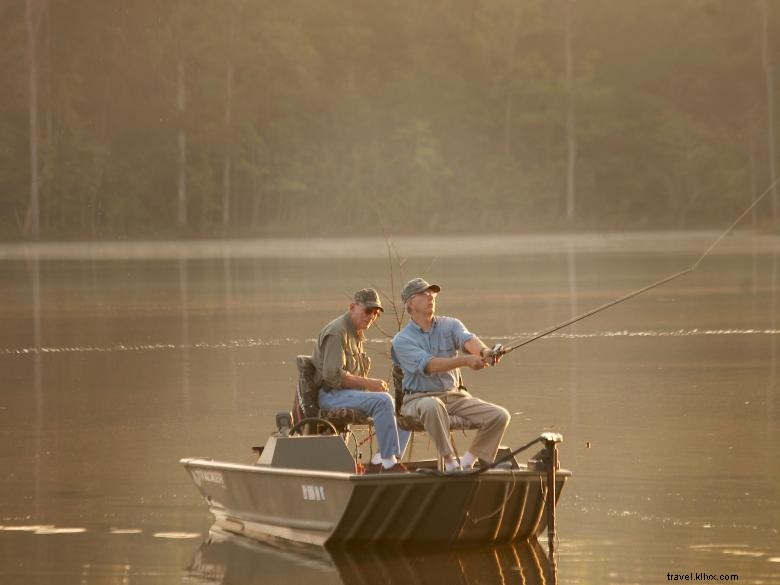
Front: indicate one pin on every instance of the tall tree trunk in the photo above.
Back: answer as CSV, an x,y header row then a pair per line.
x,y
100,157
752,165
571,130
227,162
47,154
509,84
182,140
255,183
34,10
770,98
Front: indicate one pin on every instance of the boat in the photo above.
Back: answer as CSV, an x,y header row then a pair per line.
x,y
227,558
309,489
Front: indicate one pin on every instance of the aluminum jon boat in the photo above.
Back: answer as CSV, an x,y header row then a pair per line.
x,y
307,489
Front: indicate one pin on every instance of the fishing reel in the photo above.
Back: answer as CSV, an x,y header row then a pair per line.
x,y
495,354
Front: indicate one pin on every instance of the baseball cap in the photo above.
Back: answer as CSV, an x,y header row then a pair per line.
x,y
368,297
416,286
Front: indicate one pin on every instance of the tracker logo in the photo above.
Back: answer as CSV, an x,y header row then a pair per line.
x,y
201,476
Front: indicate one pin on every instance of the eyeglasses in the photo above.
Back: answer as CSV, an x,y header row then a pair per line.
x,y
372,311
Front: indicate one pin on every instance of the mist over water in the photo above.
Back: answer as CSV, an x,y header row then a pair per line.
x,y
117,365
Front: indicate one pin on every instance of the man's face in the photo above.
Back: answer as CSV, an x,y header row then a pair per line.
x,y
363,317
424,302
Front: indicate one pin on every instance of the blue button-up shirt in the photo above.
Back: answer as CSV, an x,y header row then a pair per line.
x,y
413,348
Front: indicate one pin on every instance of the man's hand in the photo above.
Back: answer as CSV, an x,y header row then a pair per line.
x,y
474,362
376,385
495,354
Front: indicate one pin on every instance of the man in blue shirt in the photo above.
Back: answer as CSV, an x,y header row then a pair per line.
x,y
430,351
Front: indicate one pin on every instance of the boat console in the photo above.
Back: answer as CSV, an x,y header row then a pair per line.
x,y
311,452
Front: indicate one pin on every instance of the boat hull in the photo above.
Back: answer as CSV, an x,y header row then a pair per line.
x,y
346,509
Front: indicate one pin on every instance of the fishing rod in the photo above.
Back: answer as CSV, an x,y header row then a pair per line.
x,y
499,351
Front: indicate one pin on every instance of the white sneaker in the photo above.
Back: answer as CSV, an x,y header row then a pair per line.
x,y
450,466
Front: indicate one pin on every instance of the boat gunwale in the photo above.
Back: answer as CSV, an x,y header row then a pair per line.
x,y
495,474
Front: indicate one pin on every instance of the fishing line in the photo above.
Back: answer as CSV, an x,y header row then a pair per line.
x,y
658,283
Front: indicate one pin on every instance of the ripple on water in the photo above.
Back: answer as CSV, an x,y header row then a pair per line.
x,y
254,342
736,550
743,553
126,531
43,529
55,530
177,535
712,547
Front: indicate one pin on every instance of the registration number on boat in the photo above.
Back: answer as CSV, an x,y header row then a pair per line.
x,y
314,493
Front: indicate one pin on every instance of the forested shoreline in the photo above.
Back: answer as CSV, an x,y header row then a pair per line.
x,y
206,118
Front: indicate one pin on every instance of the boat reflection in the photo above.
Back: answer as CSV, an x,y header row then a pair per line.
x,y
515,564
225,558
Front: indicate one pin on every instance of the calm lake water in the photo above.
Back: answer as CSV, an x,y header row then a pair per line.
x,y
117,361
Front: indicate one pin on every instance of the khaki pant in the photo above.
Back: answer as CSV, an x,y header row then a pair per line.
x,y
433,410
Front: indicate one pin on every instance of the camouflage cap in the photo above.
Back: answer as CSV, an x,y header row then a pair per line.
x,y
368,297
416,286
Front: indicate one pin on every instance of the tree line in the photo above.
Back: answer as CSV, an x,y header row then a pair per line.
x,y
251,117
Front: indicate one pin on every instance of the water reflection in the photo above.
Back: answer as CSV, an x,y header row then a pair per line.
x,y
184,302
571,271
34,267
224,558
772,382
229,282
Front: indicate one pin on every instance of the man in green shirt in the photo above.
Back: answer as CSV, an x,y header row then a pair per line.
x,y
342,374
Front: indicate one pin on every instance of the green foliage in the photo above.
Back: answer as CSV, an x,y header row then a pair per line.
x,y
447,116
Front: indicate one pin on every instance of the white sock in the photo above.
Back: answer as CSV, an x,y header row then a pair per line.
x,y
450,464
467,461
376,459
388,463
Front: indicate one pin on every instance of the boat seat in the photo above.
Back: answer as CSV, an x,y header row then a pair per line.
x,y
306,405
410,423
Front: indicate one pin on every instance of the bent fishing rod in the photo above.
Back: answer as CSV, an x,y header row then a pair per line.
x,y
499,351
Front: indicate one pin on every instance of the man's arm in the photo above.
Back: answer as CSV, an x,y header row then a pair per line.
x,y
335,374
475,357
475,346
471,357
438,364
360,383
334,361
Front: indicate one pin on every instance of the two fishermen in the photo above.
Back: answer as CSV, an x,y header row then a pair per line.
x,y
430,350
